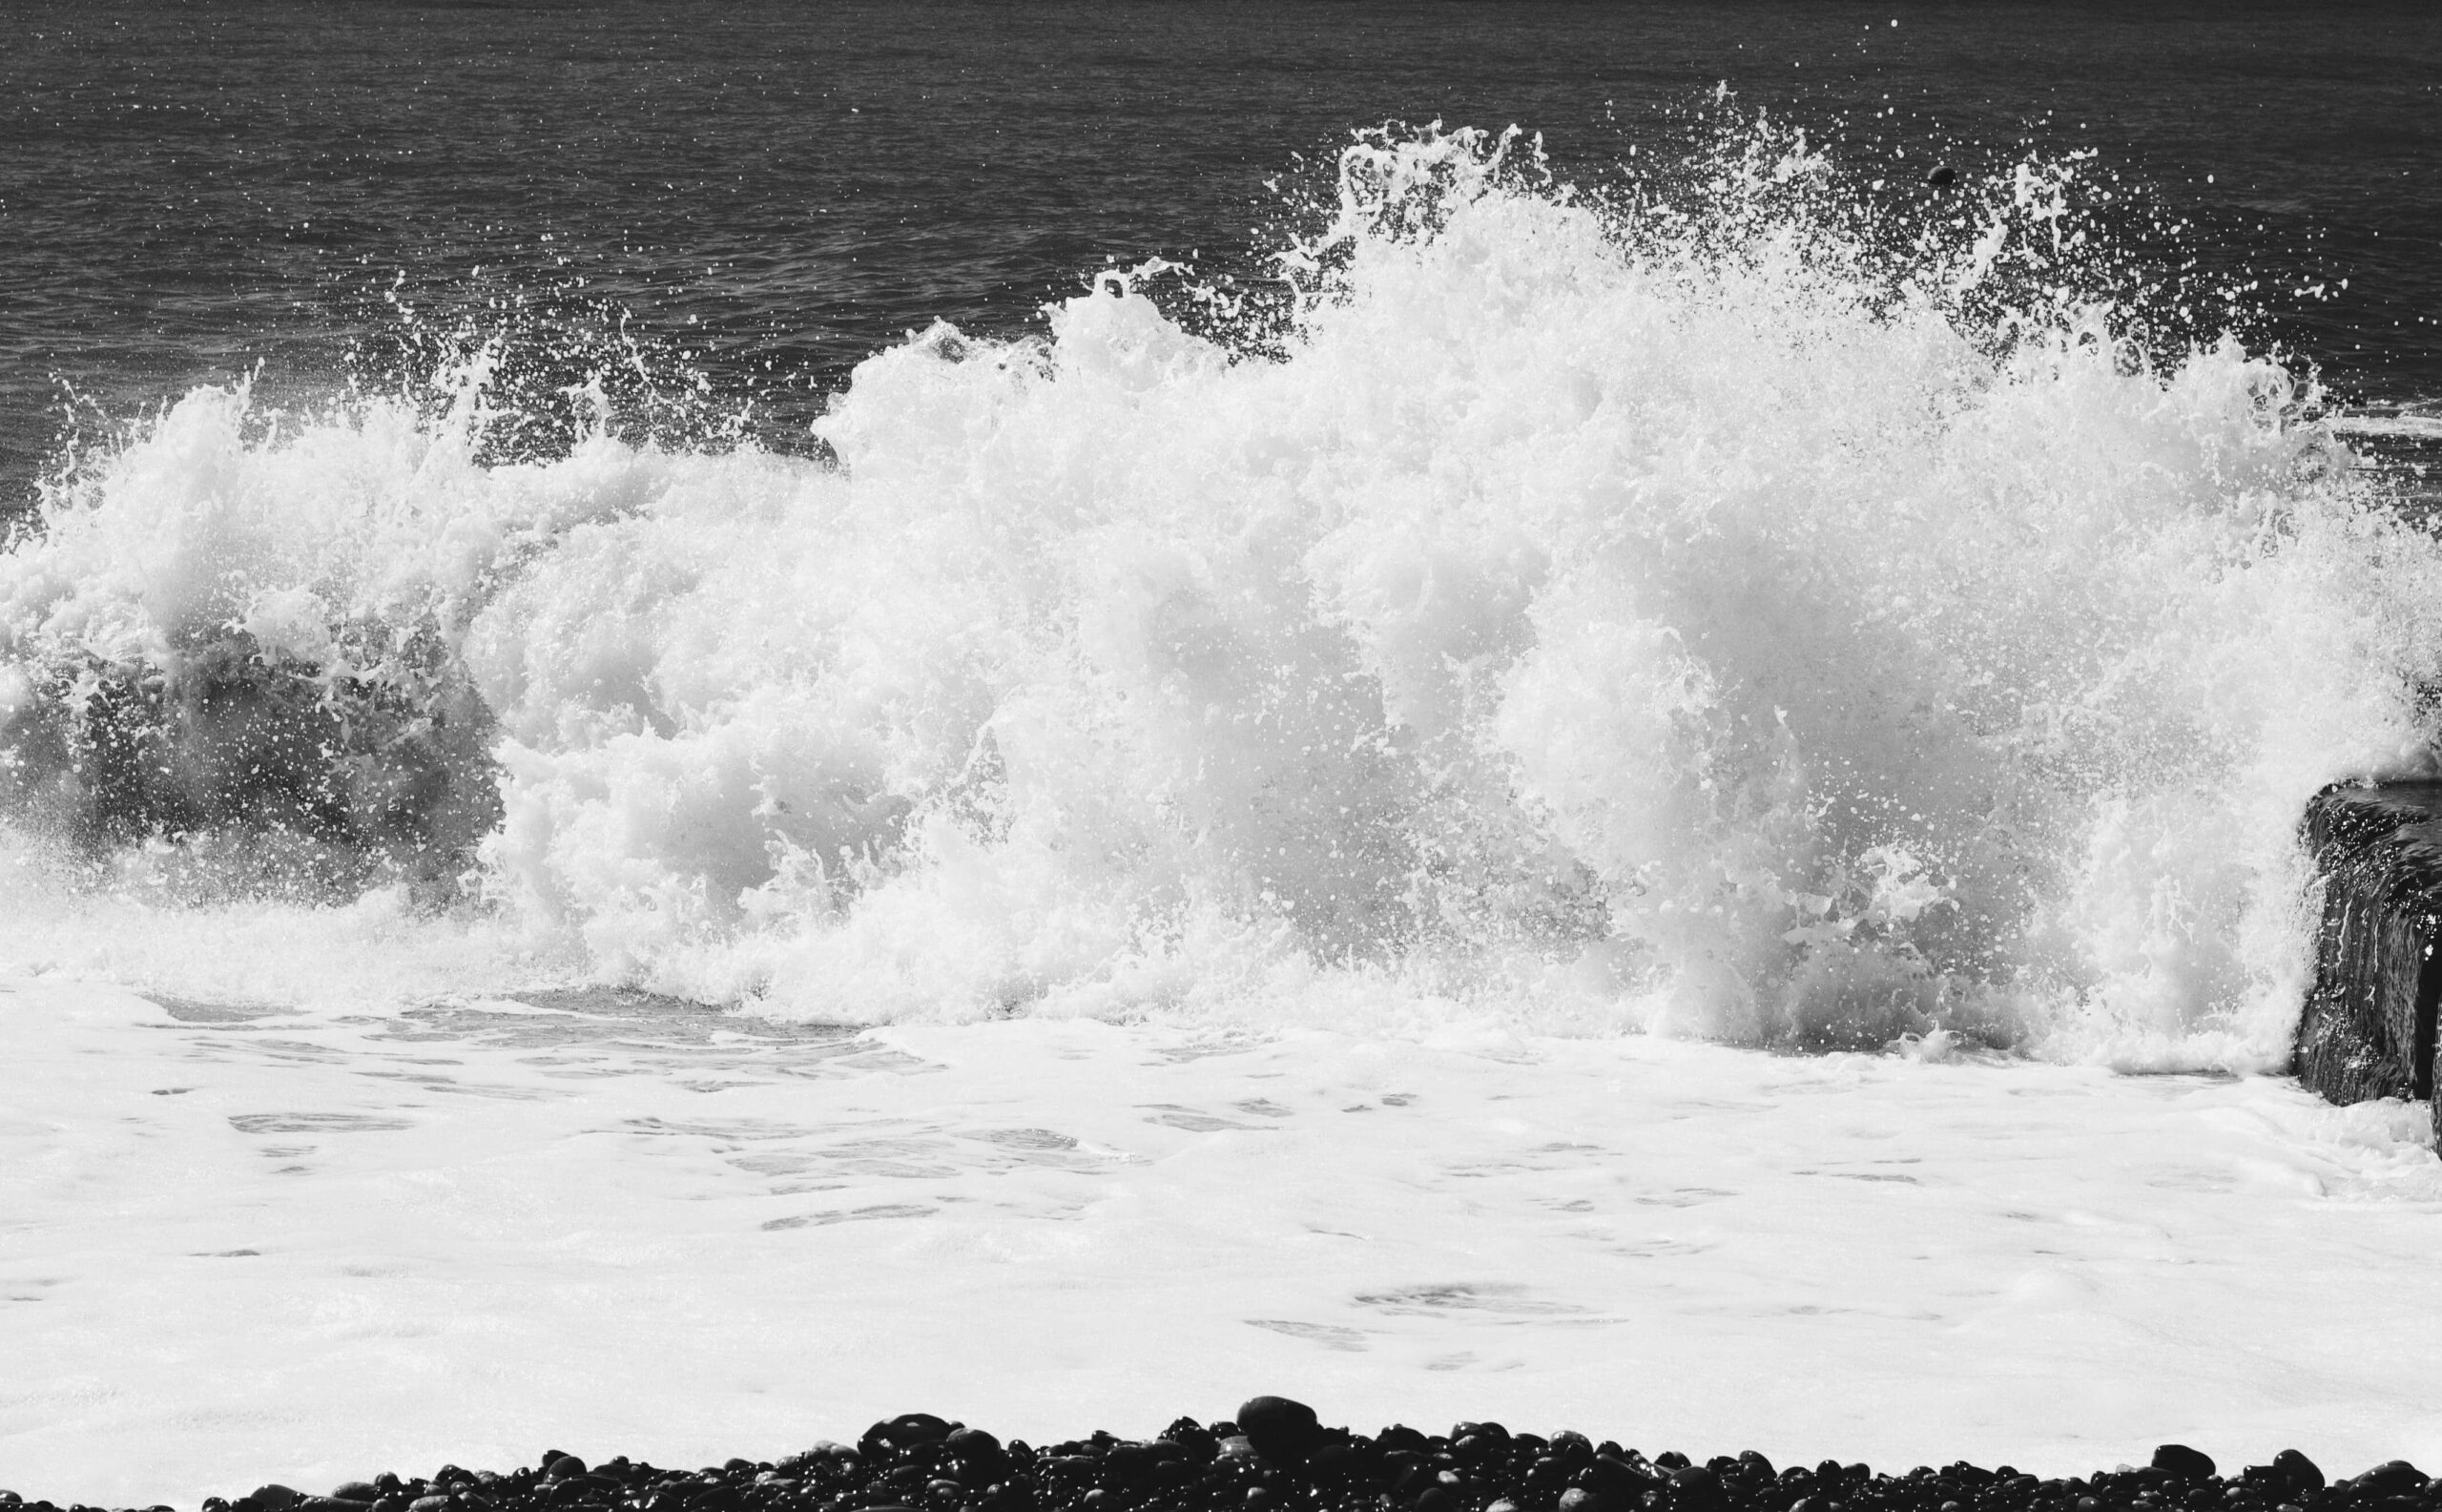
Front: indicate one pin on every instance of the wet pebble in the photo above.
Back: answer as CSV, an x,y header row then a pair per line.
x,y
1277,1455
2303,1475
1282,1431
2183,1462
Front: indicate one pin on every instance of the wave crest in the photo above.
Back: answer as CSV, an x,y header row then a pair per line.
x,y
1704,609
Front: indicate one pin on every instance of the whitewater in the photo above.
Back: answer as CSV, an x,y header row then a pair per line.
x,y
1669,810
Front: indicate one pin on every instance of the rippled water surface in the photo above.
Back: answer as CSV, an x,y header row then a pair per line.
x,y
780,189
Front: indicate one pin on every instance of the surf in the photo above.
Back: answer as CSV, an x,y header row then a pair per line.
x,y
1711,607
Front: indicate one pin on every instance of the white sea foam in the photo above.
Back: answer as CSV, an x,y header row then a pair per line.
x,y
303,1247
1598,615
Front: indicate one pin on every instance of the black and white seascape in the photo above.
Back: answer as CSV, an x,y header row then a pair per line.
x,y
719,722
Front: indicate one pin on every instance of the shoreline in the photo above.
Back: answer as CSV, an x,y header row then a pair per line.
x,y
1275,1453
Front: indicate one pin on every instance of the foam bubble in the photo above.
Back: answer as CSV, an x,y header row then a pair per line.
x,y
1599,613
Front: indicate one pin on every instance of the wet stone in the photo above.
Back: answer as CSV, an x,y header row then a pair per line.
x,y
1282,1431
2183,1462
2394,1478
2303,1475
918,1462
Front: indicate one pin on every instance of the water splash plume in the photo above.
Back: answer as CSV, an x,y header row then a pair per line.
x,y
1727,604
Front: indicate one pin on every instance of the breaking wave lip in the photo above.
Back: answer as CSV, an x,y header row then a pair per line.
x,y
1706,612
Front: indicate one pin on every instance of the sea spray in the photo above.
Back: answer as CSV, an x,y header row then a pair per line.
x,y
1717,615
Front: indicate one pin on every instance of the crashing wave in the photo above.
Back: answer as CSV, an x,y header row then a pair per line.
x,y
1708,612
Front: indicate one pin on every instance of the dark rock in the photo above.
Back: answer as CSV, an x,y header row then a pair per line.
x,y
1944,177
1696,1488
1400,1437
902,1432
1192,1437
1477,1449
2368,1027
1128,1465
2302,1474
2183,1462
356,1491
1625,1478
921,1461
1282,1431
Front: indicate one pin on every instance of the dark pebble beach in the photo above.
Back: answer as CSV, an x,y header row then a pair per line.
x,y
1276,1454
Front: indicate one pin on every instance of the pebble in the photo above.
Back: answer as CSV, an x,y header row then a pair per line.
x,y
2183,1463
2302,1474
1281,1431
1277,1455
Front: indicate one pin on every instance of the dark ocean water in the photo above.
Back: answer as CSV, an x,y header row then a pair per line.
x,y
762,194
